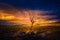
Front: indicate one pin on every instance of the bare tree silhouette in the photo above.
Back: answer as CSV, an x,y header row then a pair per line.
x,y
31,17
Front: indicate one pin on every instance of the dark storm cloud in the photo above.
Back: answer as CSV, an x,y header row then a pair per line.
x,y
6,8
34,4
52,5
47,5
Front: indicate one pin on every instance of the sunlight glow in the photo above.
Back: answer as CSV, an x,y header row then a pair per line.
x,y
25,18
6,17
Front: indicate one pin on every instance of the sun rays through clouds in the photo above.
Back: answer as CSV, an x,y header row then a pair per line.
x,y
29,18
25,16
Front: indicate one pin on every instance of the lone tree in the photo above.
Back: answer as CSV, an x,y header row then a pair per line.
x,y
31,17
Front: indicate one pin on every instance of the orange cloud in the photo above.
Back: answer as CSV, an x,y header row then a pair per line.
x,y
24,17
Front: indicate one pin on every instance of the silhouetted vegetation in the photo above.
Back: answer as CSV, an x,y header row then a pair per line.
x,y
16,32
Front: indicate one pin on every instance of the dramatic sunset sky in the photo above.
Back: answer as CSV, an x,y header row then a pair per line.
x,y
45,12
